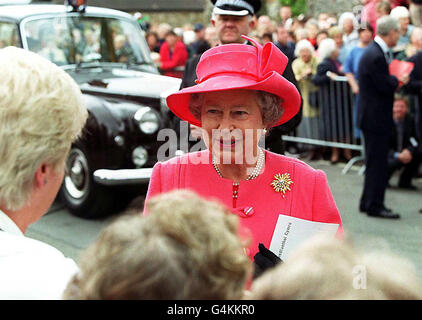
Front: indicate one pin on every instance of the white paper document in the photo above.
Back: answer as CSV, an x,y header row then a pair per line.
x,y
291,232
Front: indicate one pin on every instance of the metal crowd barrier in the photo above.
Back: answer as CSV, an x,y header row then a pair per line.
x,y
333,124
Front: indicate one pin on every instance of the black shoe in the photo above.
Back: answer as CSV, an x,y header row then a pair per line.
x,y
383,213
388,209
420,211
408,186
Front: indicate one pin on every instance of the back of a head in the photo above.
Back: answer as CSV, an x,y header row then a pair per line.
x,y
41,113
386,24
128,261
328,269
186,248
326,48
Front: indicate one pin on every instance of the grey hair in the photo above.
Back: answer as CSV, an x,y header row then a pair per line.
x,y
311,22
302,45
326,48
345,16
270,105
386,24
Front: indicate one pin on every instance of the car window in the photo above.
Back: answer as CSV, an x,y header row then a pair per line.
x,y
78,39
9,35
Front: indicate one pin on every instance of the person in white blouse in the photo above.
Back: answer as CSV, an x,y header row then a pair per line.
x,y
41,113
349,25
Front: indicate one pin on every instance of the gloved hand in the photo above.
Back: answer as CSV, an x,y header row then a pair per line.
x,y
264,260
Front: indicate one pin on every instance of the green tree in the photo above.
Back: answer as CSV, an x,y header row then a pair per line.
x,y
298,6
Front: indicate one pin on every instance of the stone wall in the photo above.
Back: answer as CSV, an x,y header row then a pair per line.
x,y
177,19
315,7
333,6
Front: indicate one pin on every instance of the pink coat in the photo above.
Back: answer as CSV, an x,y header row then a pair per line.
x,y
310,197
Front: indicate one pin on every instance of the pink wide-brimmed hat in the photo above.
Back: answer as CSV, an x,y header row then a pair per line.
x,y
239,66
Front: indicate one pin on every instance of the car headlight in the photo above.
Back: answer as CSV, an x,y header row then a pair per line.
x,y
148,120
139,156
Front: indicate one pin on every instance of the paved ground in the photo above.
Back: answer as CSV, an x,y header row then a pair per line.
x,y
403,237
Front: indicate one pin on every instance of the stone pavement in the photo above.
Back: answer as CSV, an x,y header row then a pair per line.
x,y
402,236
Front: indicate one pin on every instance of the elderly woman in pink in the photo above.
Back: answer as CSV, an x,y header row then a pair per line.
x,y
240,94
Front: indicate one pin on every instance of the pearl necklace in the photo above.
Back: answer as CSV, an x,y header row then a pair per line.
x,y
255,171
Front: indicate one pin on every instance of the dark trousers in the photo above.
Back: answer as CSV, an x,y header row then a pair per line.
x,y
376,171
409,172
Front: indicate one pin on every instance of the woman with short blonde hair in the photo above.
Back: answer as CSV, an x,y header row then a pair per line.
x,y
41,113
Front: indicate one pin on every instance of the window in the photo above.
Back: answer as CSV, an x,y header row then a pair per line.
x,y
9,35
79,39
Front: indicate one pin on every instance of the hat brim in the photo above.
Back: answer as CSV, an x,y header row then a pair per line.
x,y
222,12
275,83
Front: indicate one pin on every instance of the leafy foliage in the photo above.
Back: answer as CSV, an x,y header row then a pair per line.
x,y
298,6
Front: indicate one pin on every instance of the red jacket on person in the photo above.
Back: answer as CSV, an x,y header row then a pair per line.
x,y
309,197
172,59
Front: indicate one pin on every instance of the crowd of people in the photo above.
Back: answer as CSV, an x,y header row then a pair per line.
x,y
321,51
213,240
331,43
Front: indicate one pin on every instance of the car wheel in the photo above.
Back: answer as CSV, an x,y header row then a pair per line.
x,y
79,192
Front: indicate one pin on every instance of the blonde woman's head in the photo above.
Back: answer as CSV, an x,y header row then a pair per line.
x,y
41,113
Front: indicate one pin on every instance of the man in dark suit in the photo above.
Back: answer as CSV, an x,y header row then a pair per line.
x,y
375,115
404,147
283,43
415,87
233,18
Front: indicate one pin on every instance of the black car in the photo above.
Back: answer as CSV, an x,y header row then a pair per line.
x,y
105,52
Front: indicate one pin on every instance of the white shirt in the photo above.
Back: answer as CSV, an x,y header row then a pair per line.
x,y
30,269
351,39
387,52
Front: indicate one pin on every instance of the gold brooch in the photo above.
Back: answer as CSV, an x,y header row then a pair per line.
x,y
282,183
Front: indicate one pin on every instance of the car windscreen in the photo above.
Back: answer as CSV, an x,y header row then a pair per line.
x,y
78,39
